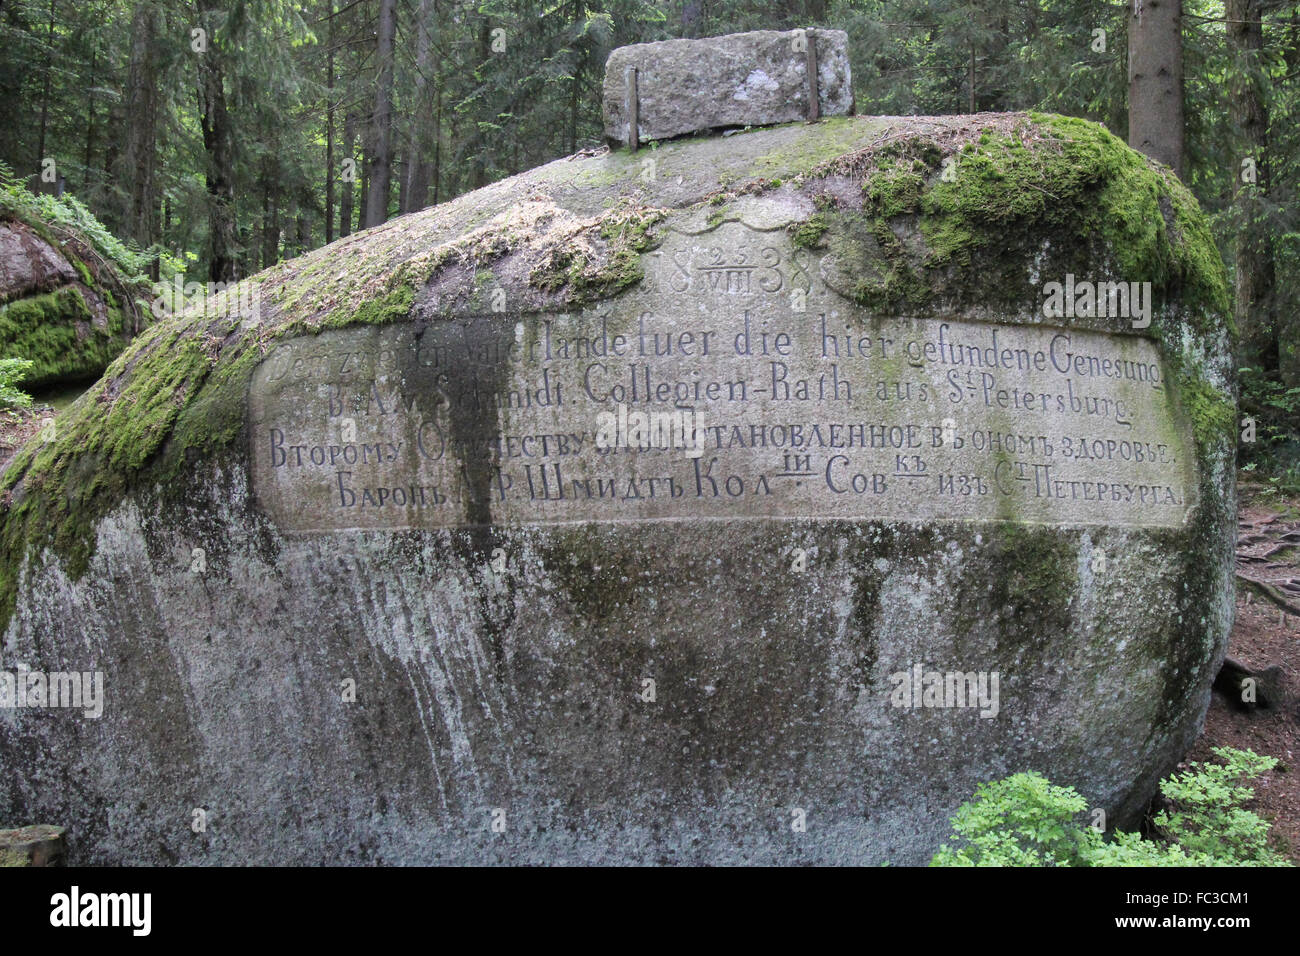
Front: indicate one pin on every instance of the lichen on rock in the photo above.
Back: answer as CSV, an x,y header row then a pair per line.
x,y
500,675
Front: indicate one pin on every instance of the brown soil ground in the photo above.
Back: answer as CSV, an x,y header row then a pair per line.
x,y
1266,635
17,425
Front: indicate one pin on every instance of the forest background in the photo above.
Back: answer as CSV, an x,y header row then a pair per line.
x,y
218,137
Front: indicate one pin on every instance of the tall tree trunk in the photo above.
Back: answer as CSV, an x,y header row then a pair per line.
x,y
329,134
437,148
418,168
1255,305
1155,80
90,125
365,191
270,219
349,181
45,98
403,158
139,158
970,105
692,16
478,153
575,13
218,142
381,120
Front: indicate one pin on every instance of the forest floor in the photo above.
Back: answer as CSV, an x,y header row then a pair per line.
x,y
19,424
1265,636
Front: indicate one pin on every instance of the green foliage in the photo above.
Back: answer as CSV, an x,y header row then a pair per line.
x,y
1023,820
1209,818
40,211
12,371
1274,456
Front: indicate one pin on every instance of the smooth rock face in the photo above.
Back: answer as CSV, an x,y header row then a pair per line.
x,y
29,264
745,79
421,610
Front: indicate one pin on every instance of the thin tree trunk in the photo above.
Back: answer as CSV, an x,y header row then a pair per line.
x,y
140,156
1254,304
90,124
381,120
270,219
403,159
365,191
416,191
576,12
970,107
478,154
349,186
218,142
45,98
1155,80
437,149
329,135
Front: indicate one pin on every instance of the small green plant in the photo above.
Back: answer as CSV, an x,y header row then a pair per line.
x,y
12,371
69,213
1023,820
1209,815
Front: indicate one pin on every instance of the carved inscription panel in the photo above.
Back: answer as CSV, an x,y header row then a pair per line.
x,y
733,383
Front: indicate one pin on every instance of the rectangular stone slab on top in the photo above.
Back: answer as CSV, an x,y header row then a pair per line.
x,y
745,79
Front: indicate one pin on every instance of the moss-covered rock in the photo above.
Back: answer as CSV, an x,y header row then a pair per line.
x,y
62,305
765,676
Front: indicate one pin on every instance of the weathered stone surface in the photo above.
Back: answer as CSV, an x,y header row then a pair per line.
x,y
39,845
745,79
752,410
500,640
28,264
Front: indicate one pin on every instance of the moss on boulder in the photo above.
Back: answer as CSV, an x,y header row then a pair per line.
x,y
942,211
932,214
950,218
64,305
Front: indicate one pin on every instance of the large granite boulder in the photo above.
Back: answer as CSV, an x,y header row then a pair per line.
x,y
63,305
375,576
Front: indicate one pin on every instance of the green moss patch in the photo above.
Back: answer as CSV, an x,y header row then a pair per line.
x,y
1213,414
56,332
808,234
69,332
984,200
